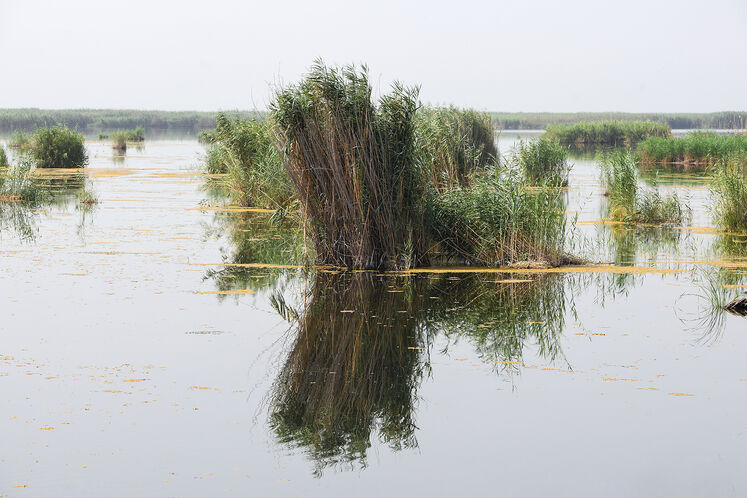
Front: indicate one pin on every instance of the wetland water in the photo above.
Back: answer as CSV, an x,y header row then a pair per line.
x,y
138,357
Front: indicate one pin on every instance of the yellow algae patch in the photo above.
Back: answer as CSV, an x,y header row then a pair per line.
x,y
513,281
237,291
680,394
46,428
347,311
232,209
727,286
460,359
559,269
557,369
111,391
196,388
134,380
616,379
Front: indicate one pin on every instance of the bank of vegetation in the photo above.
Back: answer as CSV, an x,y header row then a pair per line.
x,y
676,121
611,133
694,150
629,202
729,193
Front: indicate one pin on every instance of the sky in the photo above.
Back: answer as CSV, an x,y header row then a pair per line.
x,y
522,55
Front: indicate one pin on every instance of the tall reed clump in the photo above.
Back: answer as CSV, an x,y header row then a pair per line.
x,y
617,133
354,167
543,160
693,150
454,143
17,183
729,193
498,221
58,147
245,151
628,202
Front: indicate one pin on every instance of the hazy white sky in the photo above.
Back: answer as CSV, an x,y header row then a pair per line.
x,y
529,55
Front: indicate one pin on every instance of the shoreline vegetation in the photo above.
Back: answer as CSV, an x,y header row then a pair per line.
x,y
98,120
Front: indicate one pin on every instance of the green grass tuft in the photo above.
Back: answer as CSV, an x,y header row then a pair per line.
x,y
729,192
543,161
58,147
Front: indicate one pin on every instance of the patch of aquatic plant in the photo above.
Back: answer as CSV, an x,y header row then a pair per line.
x,y
87,196
729,193
18,185
697,149
619,133
245,151
543,161
454,143
629,202
58,147
354,167
20,140
498,221
119,141
4,163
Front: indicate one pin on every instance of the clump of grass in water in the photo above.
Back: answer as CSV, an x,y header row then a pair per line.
x,y
119,141
245,151
3,158
87,196
729,192
631,204
58,147
354,167
20,140
455,143
607,132
498,222
695,150
543,161
17,184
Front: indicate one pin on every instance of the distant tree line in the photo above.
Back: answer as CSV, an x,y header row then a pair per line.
x,y
539,120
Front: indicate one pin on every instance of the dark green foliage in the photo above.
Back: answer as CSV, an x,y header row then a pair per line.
x,y
628,202
543,161
3,158
58,147
455,143
245,151
693,149
607,132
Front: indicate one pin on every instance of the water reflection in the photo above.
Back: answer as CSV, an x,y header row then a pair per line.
x,y
361,344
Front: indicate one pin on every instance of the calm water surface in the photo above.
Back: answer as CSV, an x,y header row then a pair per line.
x,y
138,357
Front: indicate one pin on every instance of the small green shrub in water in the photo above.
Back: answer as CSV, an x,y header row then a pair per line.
x,y
119,141
17,184
454,144
543,161
245,151
20,140
617,133
628,202
58,147
729,192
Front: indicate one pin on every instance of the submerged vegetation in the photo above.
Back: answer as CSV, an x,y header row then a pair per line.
x,y
58,147
543,161
693,150
629,202
617,133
